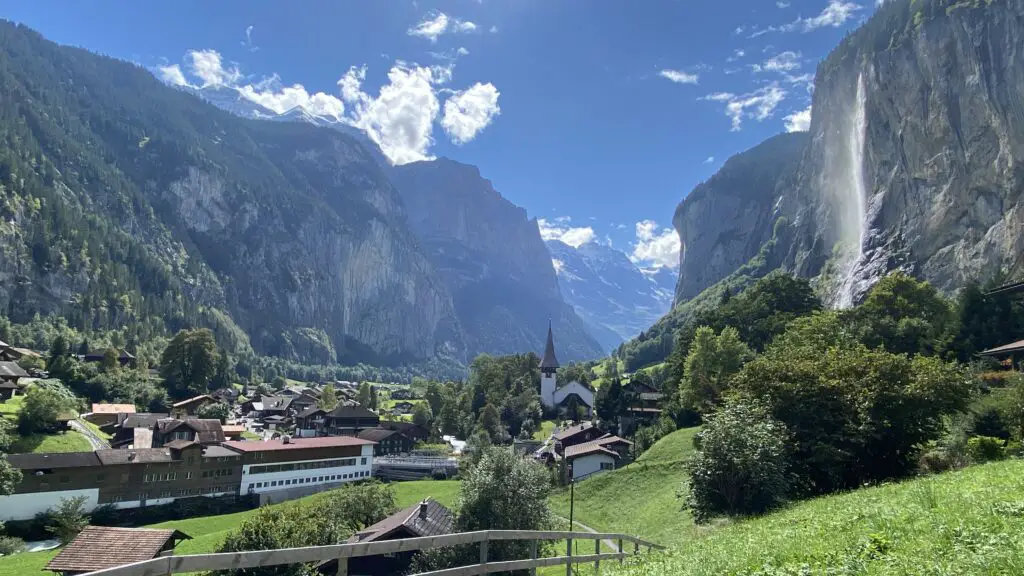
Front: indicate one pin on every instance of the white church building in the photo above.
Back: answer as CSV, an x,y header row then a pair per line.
x,y
562,397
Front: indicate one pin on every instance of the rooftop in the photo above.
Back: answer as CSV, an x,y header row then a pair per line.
x,y
436,520
549,360
595,447
113,408
295,444
1004,349
61,460
572,431
193,400
377,434
12,370
114,456
99,547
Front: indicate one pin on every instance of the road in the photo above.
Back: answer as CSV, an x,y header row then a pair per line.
x,y
97,442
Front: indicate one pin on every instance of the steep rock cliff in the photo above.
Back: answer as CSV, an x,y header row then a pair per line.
x,y
493,260
924,106
126,202
724,221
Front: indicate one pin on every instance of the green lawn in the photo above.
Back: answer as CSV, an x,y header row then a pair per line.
x,y
965,522
208,532
96,430
246,435
70,441
11,407
640,498
546,428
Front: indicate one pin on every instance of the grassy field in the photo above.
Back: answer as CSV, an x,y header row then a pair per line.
x,y
10,408
49,443
640,498
208,532
545,430
96,430
965,522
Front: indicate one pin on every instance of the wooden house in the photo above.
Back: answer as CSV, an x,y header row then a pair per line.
x,y
101,547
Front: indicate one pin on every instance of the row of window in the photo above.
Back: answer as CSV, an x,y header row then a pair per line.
x,y
267,468
181,493
313,479
217,473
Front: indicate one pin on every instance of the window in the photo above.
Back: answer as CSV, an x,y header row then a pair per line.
x,y
100,478
190,460
363,461
165,494
188,475
606,466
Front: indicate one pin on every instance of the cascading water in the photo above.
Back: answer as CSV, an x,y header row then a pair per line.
x,y
854,212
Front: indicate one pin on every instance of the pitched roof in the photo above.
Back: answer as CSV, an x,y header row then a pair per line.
x,y
309,412
134,456
276,402
572,431
377,434
207,430
549,360
4,344
1004,349
61,460
140,420
232,429
295,444
12,370
180,444
408,428
99,547
113,408
351,412
217,452
192,400
587,448
438,521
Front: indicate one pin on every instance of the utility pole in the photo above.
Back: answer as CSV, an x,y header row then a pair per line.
x,y
572,503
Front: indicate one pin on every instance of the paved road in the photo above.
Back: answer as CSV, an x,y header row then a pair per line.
x,y
97,442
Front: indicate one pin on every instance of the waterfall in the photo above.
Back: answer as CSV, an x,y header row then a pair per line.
x,y
854,225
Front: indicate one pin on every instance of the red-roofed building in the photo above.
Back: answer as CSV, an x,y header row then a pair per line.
x,y
302,462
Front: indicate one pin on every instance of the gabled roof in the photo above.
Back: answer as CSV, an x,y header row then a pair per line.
x,y
351,412
579,399
573,431
1004,349
377,434
140,420
207,430
193,400
134,456
180,444
435,522
113,408
588,448
99,547
310,412
549,361
59,460
275,402
12,370
295,444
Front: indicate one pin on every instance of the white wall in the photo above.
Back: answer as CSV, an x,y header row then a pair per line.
x,y
548,384
25,506
585,465
333,475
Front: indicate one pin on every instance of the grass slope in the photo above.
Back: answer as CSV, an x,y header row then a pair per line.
x,y
50,443
965,522
640,498
545,430
208,532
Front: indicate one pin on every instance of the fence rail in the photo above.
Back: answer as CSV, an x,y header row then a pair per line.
x,y
167,565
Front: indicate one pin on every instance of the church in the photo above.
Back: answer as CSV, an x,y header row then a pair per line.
x,y
566,396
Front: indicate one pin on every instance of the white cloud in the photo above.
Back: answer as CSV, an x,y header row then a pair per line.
x,y
462,51
208,66
782,62
400,118
799,121
835,14
435,24
654,247
709,160
781,4
272,95
759,104
494,29
557,230
468,112
247,43
679,76
172,75
736,55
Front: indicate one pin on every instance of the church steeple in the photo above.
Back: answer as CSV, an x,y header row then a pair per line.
x,y
549,362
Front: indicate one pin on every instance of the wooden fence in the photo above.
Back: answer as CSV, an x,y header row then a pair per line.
x,y
167,565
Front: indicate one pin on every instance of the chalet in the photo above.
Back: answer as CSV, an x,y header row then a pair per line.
x,y
11,372
578,434
106,414
13,354
190,407
596,456
428,518
404,407
303,401
1012,352
349,420
101,547
403,394
272,406
124,357
227,395
634,388
411,431
135,428
388,441
201,431
310,421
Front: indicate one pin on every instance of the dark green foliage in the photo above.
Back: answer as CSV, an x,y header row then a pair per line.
x,y
903,316
43,408
856,415
983,449
741,464
214,411
712,362
189,363
610,403
981,322
9,476
68,519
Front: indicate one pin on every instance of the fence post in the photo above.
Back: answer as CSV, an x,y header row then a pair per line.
x,y
533,556
597,550
568,564
342,565
636,548
621,551
483,551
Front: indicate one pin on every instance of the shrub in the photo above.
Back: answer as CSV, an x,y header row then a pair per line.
x,y
68,519
985,449
740,466
10,545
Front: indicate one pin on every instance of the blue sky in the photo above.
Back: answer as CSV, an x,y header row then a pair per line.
x,y
596,116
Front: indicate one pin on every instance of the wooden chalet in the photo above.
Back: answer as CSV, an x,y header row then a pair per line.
x,y
596,456
10,375
198,430
135,428
412,431
578,434
101,547
388,441
13,353
124,357
428,518
107,414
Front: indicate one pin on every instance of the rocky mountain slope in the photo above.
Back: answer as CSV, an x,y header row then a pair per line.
x,y
492,258
126,203
614,297
913,160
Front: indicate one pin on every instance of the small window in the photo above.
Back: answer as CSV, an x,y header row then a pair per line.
x,y
188,475
100,478
363,461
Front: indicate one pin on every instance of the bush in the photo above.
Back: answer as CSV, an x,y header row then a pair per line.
x,y
741,465
985,449
68,519
10,545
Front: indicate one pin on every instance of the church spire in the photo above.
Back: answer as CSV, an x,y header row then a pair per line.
x,y
549,362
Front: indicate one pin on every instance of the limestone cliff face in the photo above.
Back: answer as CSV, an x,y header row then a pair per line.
x,y
493,260
724,221
940,86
